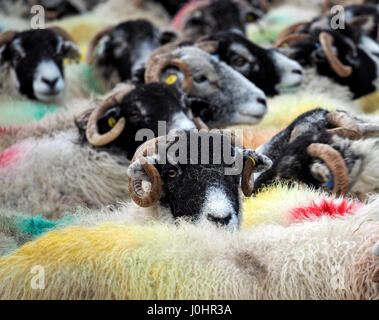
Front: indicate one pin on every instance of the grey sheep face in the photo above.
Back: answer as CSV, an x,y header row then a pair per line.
x,y
36,59
120,52
270,70
201,174
216,93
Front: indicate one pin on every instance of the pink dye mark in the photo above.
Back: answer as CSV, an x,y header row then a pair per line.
x,y
177,20
11,155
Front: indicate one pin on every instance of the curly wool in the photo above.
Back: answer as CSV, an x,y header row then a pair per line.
x,y
323,259
53,174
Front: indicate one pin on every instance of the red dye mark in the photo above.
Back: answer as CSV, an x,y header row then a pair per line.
x,y
11,155
177,20
3,130
327,207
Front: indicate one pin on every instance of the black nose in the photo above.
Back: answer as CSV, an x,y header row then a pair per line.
x,y
297,72
220,221
50,82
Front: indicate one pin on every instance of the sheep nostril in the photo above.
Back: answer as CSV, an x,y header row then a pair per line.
x,y
262,101
50,83
298,72
220,221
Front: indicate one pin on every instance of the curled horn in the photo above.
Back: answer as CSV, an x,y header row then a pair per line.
x,y
335,163
292,29
326,41
92,132
291,39
247,184
346,126
161,60
95,41
199,123
209,46
7,37
137,193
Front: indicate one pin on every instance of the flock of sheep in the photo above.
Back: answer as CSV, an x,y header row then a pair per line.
x,y
75,166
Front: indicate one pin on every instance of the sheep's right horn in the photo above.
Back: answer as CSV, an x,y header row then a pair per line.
x,y
95,41
199,123
335,163
161,60
7,37
137,193
292,29
291,39
92,132
326,41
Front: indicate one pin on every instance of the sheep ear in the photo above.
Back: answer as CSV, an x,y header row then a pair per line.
x,y
260,162
168,36
71,50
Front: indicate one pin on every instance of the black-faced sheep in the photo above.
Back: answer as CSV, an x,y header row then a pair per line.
x,y
269,70
347,57
31,63
86,165
195,175
331,150
214,91
120,52
207,17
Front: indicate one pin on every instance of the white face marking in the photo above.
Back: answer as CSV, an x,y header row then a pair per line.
x,y
141,55
48,71
181,122
289,71
371,47
217,204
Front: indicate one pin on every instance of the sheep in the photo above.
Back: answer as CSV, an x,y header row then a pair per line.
x,y
334,151
206,17
202,183
86,164
349,59
31,63
214,91
269,70
329,258
123,50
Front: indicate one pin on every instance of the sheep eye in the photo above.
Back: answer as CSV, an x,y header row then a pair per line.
x,y
201,79
17,57
112,122
250,18
134,115
239,61
172,173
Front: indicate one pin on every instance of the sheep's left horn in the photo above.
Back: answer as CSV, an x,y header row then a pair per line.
x,y
7,37
137,193
92,132
199,123
95,41
335,163
326,41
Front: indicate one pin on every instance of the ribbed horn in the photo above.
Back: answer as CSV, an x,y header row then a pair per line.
x,y
326,41
247,184
292,29
137,193
95,41
335,163
92,132
7,37
291,39
161,60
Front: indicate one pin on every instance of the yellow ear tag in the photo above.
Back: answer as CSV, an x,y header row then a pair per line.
x,y
253,161
112,122
171,79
